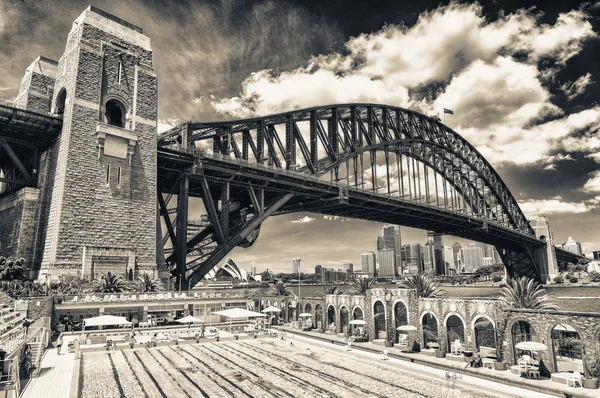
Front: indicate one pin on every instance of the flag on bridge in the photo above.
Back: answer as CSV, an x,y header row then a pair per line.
x,y
448,111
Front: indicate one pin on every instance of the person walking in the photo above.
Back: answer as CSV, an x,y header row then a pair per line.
x,y
202,331
59,343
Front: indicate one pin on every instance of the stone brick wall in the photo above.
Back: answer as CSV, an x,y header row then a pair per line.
x,y
85,211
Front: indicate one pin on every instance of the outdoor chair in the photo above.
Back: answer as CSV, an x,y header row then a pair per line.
x,y
133,297
145,297
105,299
175,295
576,378
122,298
183,295
456,347
524,361
88,299
169,296
195,295
75,299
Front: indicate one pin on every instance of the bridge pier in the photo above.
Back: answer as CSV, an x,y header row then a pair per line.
x,y
182,221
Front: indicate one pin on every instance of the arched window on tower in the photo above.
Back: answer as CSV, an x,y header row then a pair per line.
x,y
61,99
115,113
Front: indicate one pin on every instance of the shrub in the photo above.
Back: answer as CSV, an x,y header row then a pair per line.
x,y
594,276
573,279
497,278
558,279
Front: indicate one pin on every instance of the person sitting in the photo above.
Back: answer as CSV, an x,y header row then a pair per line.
x,y
475,361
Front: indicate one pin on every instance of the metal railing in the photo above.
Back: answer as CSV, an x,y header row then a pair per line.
x,y
135,297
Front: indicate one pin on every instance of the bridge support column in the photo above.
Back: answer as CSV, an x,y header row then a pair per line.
x,y
182,221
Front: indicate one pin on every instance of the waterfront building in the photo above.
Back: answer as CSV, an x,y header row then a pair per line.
x,y
387,266
368,263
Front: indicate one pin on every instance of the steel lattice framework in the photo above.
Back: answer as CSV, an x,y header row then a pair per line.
x,y
364,161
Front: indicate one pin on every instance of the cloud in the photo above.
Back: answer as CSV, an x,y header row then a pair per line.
x,y
551,206
576,88
388,64
593,184
305,219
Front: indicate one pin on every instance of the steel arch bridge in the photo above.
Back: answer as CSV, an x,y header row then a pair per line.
x,y
363,161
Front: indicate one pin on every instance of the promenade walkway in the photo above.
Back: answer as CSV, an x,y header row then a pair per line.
x,y
483,377
55,376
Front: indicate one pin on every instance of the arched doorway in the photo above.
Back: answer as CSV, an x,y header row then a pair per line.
x,y
344,315
566,346
331,326
308,310
485,336
357,313
115,113
430,331
521,331
400,317
379,320
319,316
290,311
455,330
61,100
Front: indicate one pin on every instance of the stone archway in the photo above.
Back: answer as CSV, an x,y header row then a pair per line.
x,y
379,321
430,331
567,349
358,313
485,336
400,317
344,319
319,316
521,331
331,319
455,330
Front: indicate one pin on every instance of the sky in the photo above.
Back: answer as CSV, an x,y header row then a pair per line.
x,y
522,78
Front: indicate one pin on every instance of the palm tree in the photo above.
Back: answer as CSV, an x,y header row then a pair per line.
x,y
329,290
425,286
148,283
360,286
526,293
281,289
110,283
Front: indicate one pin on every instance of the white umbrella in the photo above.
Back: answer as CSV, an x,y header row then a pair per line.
x,y
271,309
357,322
531,346
407,328
305,315
189,319
105,320
237,313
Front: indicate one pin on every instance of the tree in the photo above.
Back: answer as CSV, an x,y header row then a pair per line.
x,y
360,286
425,286
526,293
482,273
11,269
70,285
265,275
110,283
148,283
280,289
329,290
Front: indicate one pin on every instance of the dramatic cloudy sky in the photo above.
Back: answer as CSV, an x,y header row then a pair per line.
x,y
522,78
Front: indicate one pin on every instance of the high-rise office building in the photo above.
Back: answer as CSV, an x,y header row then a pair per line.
x,y
414,258
596,254
456,248
572,246
471,258
252,268
368,264
543,231
349,269
318,269
387,267
449,260
391,240
296,265
428,255
438,256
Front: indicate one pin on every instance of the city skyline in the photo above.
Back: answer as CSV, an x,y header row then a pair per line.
x,y
540,136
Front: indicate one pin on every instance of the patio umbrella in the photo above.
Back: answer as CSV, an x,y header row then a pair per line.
x,y
531,346
357,322
105,320
271,309
189,319
305,315
406,328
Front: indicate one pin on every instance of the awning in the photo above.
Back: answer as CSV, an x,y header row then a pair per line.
x,y
189,319
106,320
235,313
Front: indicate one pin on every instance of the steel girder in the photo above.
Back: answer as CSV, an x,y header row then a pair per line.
x,y
337,134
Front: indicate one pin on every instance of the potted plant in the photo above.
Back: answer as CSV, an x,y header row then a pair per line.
x,y
591,369
439,353
389,342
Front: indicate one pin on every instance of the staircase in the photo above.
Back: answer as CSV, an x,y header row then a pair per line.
x,y
37,350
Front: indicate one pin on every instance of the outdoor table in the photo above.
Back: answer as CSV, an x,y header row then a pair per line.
x,y
533,374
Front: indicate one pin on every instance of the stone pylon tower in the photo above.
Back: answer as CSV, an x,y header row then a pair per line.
x,y
101,212
543,231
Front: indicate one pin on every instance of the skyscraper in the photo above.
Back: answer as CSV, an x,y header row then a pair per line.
x,y
252,268
296,265
414,258
471,257
456,248
368,264
428,255
572,246
596,254
438,256
449,260
392,241
386,263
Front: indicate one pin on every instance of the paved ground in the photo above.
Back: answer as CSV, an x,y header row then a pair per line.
x,y
55,376
484,377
